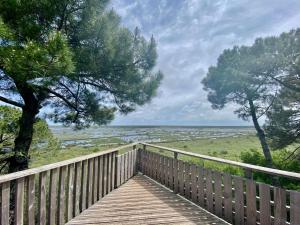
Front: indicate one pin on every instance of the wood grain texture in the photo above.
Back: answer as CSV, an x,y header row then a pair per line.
x,y
280,214
52,209
264,204
61,196
238,200
228,197
217,176
251,202
142,201
30,207
5,195
295,207
42,199
19,202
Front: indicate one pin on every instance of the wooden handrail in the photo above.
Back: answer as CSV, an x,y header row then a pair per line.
x,y
28,172
246,166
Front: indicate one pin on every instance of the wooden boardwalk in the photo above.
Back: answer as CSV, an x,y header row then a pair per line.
x,y
142,201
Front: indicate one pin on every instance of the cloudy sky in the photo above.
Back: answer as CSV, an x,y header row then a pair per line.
x,y
190,35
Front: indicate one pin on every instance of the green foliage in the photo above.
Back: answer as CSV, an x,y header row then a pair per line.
x,y
9,127
74,57
281,161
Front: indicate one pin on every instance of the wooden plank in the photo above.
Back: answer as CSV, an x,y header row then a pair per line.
x,y
70,191
168,178
171,173
295,207
90,183
84,185
123,168
61,196
77,187
194,180
129,164
105,165
52,209
5,195
113,172
100,172
264,204
19,202
118,182
109,173
217,176
30,207
201,186
251,202
96,180
175,174
209,190
280,215
187,190
42,199
228,197
126,167
239,200
181,177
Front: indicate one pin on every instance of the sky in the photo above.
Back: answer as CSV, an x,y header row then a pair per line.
x,y
191,34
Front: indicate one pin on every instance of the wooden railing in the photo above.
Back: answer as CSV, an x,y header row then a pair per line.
x,y
55,193
233,198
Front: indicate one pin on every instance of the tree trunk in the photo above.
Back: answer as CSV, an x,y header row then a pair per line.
x,y
20,159
261,135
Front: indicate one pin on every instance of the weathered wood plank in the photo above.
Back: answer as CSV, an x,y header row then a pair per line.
x,y
113,172
90,182
194,181
181,177
295,207
77,187
70,191
53,196
280,215
201,186
30,207
209,190
187,190
19,202
42,199
109,173
118,182
105,167
171,173
217,176
84,185
61,196
251,201
100,172
5,195
239,200
228,197
96,180
264,204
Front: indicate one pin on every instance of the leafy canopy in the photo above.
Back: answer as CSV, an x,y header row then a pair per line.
x,y
76,58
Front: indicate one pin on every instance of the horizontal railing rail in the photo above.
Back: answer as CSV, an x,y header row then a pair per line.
x,y
245,166
55,193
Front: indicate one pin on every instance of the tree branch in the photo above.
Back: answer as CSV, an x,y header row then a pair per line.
x,y
11,102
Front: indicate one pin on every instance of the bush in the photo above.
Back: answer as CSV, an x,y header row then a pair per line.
x,y
280,161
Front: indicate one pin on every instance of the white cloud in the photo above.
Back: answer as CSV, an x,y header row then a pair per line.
x,y
191,34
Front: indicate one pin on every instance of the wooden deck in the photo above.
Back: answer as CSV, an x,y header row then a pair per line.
x,y
142,201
